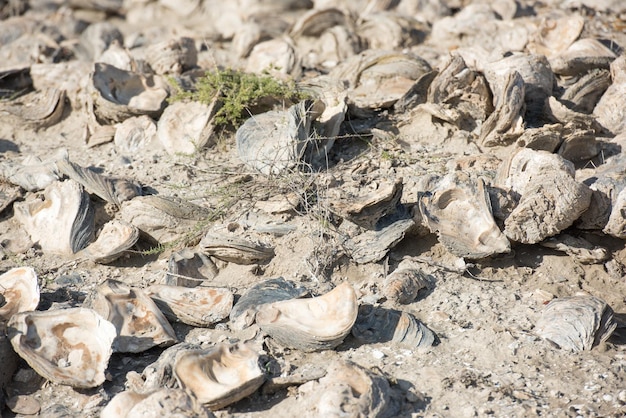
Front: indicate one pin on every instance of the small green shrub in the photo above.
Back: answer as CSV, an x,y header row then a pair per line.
x,y
239,92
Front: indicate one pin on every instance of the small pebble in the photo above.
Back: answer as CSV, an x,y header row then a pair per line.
x,y
377,354
621,396
607,397
22,404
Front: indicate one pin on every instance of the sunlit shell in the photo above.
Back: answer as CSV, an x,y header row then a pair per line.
x,y
186,127
60,220
189,269
163,218
578,248
609,111
110,189
276,56
311,324
404,283
506,123
275,141
367,207
373,245
98,37
66,346
235,249
32,173
19,292
139,323
582,56
583,94
173,56
197,306
458,209
113,240
546,138
117,56
272,290
380,325
391,30
616,225
120,94
38,109
219,376
134,135
576,323
165,402
554,36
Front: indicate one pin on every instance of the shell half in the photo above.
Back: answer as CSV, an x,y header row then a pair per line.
x,y
19,291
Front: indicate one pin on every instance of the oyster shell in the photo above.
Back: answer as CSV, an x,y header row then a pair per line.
x,y
114,239
275,141
576,323
172,56
197,306
272,290
189,269
458,209
19,292
390,30
609,112
186,127
32,173
61,220
120,94
133,135
278,57
39,109
380,325
66,346
372,246
219,376
139,323
403,285
167,402
506,123
311,324
616,225
98,37
234,249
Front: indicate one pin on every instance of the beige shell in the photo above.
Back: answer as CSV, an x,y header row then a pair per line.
x,y
582,56
172,56
373,245
506,123
609,111
404,283
66,346
234,249
163,218
60,220
119,94
616,225
139,323
117,56
166,402
113,240
576,323
32,173
219,376
19,292
458,209
39,109
276,56
554,36
134,135
197,306
391,30
186,127
311,324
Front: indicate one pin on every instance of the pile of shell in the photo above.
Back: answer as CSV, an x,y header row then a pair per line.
x,y
541,91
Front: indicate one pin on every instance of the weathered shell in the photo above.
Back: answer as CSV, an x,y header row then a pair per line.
x,y
32,173
582,56
163,218
547,138
219,376
9,193
276,56
506,123
197,306
172,56
186,127
275,141
380,325
366,209
19,292
311,324
616,225
66,346
347,387
117,56
372,246
583,94
113,240
554,36
458,209
134,135
235,249
609,111
579,145
165,402
272,290
61,220
110,189
189,269
404,283
39,109
578,248
576,323
551,199
391,30
98,37
120,94
139,323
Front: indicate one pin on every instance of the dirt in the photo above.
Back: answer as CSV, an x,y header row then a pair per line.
x,y
488,360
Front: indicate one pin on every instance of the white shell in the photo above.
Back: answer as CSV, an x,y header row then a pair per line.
x,y
66,346
311,324
186,127
115,238
19,290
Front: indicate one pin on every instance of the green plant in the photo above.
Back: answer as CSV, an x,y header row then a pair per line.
x,y
238,92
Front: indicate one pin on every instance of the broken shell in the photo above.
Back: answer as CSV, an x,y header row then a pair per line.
x,y
275,141
219,376
311,324
583,95
19,292
120,94
173,56
367,209
189,269
578,248
616,225
139,323
32,173
186,127
277,56
197,306
458,209
163,218
390,30
114,239
234,249
576,323
174,403
609,112
506,123
273,290
134,134
380,325
372,246
61,220
554,36
404,283
39,109
66,346
582,56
